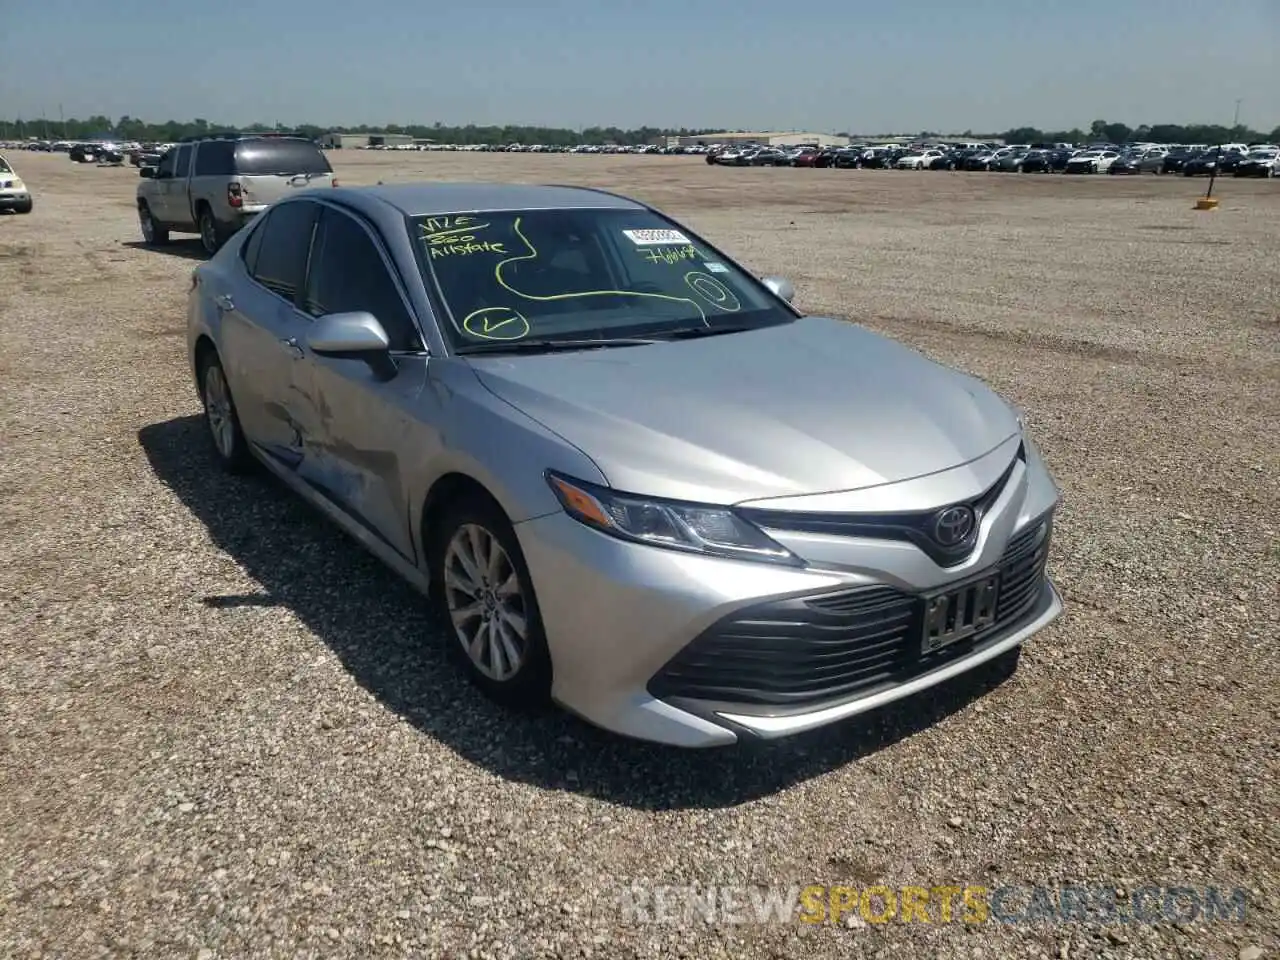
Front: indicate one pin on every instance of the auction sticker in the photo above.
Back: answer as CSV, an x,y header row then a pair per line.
x,y
716,267
644,238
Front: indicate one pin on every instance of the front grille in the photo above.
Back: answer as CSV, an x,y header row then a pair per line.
x,y
915,527
791,653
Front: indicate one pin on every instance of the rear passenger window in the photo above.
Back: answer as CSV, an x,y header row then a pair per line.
x,y
348,274
249,251
285,241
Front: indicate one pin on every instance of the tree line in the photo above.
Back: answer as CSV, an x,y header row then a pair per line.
x,y
1103,131
134,128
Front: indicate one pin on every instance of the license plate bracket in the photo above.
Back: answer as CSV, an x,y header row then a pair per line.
x,y
959,612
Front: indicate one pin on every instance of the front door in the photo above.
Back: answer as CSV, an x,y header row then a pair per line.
x,y
175,204
162,182
262,330
356,429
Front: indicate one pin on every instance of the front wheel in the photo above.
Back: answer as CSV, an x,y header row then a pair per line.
x,y
153,233
483,586
25,206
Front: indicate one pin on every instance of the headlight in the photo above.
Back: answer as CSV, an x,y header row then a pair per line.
x,y
676,525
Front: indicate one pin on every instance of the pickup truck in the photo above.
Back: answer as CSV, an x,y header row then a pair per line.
x,y
212,186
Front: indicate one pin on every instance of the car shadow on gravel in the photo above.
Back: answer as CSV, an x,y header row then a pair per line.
x,y
382,631
188,248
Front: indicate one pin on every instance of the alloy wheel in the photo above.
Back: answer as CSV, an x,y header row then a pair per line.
x,y
208,234
218,410
485,602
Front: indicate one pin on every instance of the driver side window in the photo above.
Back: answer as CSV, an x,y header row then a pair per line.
x,y
348,273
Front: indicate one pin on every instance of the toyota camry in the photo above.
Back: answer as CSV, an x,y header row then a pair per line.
x,y
630,476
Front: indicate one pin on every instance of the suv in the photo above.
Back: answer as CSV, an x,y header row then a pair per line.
x,y
215,185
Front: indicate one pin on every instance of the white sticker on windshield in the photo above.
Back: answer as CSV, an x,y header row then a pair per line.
x,y
716,267
644,238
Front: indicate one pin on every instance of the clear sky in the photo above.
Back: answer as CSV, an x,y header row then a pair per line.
x,y
822,65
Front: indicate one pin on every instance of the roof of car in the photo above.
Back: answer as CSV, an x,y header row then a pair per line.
x,y
425,199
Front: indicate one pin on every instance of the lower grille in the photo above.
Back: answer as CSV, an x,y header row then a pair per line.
x,y
795,652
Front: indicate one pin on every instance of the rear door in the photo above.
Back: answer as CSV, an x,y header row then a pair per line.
x,y
262,329
271,168
357,429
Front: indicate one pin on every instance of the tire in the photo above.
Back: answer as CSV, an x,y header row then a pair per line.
x,y
221,417
24,207
211,237
517,670
153,233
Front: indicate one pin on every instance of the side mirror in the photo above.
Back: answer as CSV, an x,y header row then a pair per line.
x,y
354,336
148,173
781,287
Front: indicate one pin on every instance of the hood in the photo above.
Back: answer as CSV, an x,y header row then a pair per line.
x,y
814,406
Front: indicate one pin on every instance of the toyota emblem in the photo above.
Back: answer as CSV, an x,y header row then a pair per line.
x,y
953,525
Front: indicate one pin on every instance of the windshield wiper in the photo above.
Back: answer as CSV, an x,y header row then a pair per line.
x,y
548,346
692,333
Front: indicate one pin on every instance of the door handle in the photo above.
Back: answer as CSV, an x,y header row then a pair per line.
x,y
224,302
294,347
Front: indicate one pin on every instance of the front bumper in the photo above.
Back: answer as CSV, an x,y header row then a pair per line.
x,y
697,651
13,198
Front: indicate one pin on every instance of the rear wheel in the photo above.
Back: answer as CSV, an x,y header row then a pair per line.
x,y
221,416
210,236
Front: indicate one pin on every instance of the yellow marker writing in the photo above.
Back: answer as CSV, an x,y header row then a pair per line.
x,y
496,323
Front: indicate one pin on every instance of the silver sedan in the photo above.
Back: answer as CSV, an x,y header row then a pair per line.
x,y
630,476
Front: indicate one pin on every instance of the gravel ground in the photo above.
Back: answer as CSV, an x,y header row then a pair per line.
x,y
229,733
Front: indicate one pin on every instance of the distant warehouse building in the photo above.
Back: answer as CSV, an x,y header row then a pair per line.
x,y
354,141
793,138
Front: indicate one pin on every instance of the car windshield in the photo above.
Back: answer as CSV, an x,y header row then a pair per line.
x,y
574,274
1256,155
4,166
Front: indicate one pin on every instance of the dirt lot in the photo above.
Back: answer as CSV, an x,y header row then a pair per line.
x,y
227,732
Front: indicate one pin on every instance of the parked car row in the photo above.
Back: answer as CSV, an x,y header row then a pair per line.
x,y
1259,159
612,148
